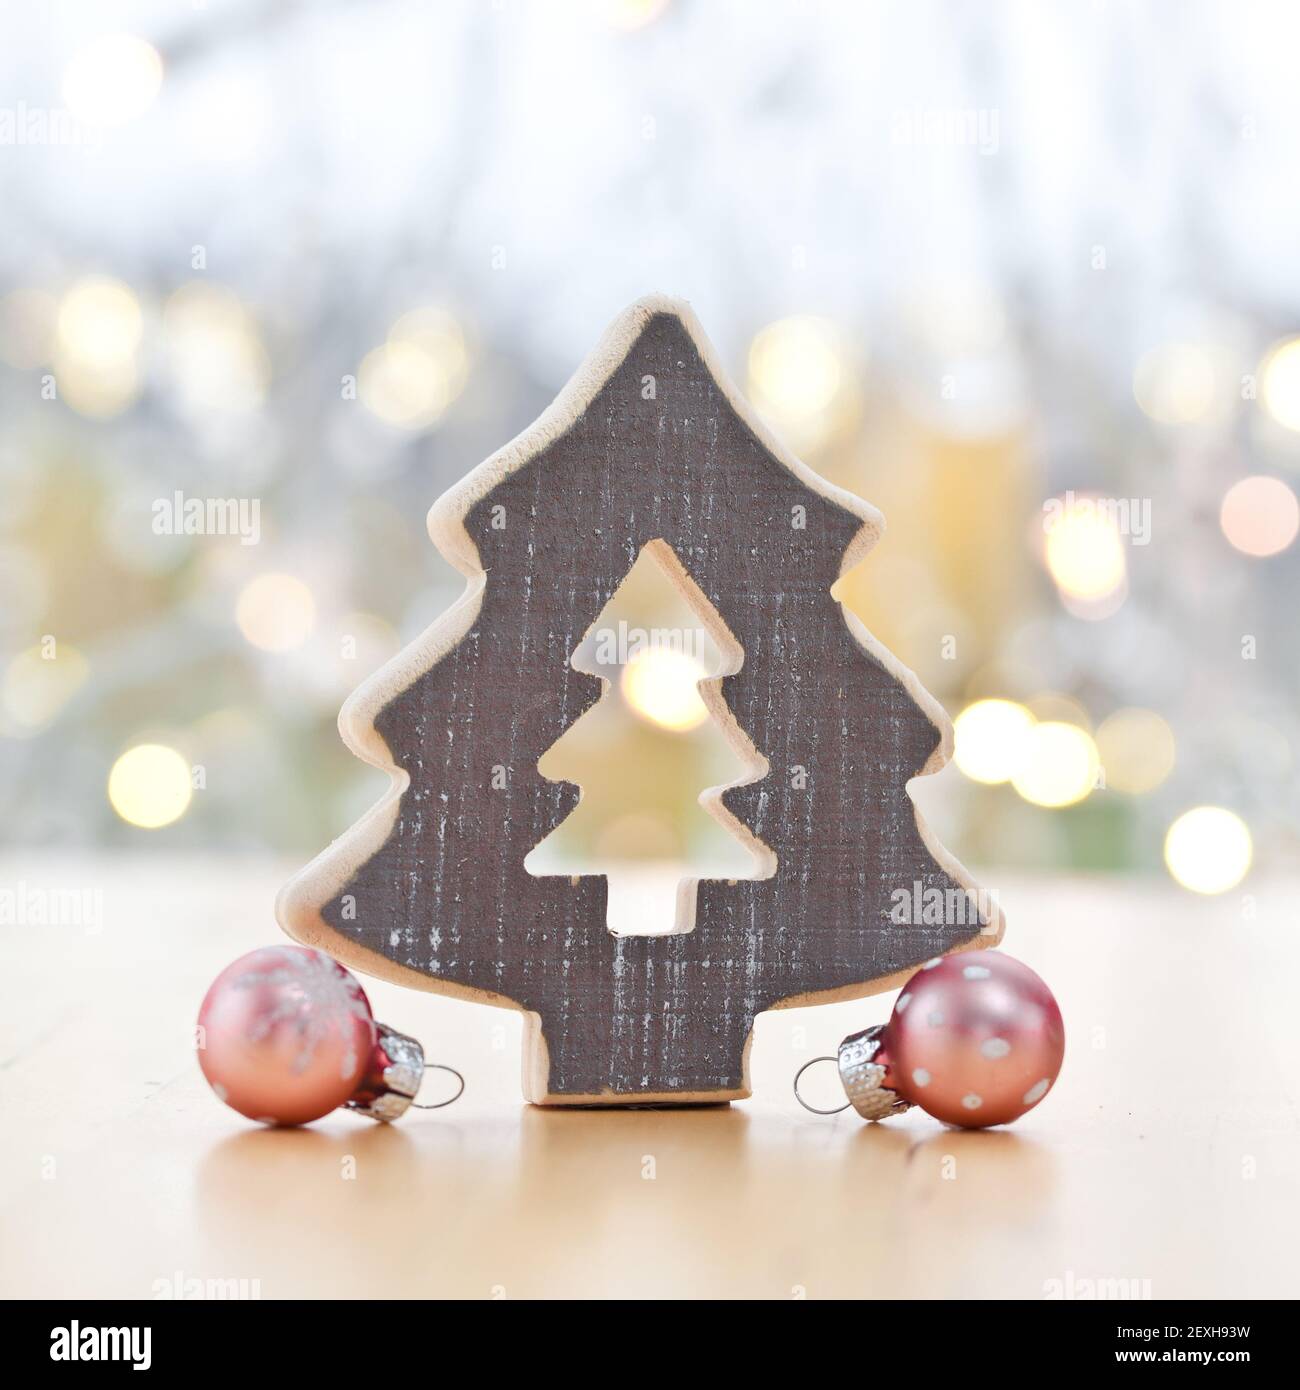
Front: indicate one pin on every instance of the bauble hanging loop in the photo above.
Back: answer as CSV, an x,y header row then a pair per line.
x,y
392,1082
862,1077
975,1039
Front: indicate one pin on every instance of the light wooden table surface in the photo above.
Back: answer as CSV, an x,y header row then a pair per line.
x,y
1168,1152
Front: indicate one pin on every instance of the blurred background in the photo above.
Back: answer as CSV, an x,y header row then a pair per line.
x,y
273,275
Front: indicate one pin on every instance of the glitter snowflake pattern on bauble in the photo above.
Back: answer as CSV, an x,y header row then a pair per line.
x,y
315,995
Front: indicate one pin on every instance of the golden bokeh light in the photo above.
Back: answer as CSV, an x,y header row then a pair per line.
x,y
1176,384
276,612
1260,516
1280,391
1051,706
796,372
439,334
36,687
98,393
990,739
97,337
1208,849
113,79
1084,552
1137,750
1059,767
214,349
149,786
402,385
662,686
100,322
418,372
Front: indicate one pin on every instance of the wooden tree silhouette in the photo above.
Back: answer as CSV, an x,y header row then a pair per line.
x,y
660,903
647,442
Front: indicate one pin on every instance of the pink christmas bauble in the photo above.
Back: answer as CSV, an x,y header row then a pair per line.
x,y
975,1039
285,1035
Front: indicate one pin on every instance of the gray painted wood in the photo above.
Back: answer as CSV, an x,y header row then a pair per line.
x,y
447,894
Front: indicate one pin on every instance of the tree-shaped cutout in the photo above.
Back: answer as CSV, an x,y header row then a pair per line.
x,y
685,653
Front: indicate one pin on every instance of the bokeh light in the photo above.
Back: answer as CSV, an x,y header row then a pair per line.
x,y
1280,391
1137,750
990,739
796,372
276,612
36,687
438,333
1059,767
214,349
210,274
98,334
402,386
98,393
100,322
1208,849
662,686
1084,552
1176,384
411,380
1260,516
113,79
1052,705
149,786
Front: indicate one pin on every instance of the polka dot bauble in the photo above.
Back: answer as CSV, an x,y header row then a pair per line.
x,y
975,1039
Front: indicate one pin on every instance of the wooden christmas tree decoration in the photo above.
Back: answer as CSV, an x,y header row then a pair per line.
x,y
648,445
